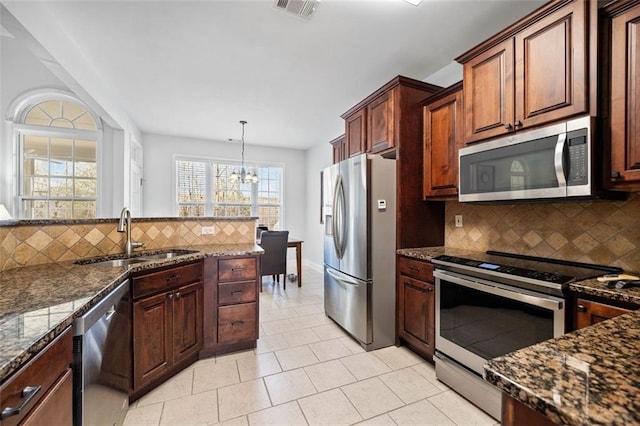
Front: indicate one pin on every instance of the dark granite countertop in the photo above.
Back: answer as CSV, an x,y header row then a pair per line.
x,y
38,302
589,376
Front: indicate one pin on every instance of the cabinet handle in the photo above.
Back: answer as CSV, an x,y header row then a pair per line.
x,y
581,308
177,295
508,126
173,277
237,269
27,393
616,175
414,268
518,123
170,296
237,292
429,289
233,324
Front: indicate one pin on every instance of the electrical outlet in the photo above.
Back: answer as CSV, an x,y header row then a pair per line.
x,y
208,230
458,221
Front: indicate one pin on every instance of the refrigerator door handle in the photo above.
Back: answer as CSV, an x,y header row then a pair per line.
x,y
342,279
338,220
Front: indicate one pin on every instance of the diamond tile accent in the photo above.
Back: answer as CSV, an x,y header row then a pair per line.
x,y
593,232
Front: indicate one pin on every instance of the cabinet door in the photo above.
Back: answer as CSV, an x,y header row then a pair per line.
x,y
418,310
151,338
489,93
442,140
380,125
187,321
625,100
356,133
338,146
56,407
589,313
551,67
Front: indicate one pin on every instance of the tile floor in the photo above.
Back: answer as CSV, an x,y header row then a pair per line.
x,y
305,370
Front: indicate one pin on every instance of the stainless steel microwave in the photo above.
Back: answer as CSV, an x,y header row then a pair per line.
x,y
550,162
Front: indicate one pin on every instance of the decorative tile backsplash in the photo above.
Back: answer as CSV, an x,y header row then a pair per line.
x,y
22,245
603,232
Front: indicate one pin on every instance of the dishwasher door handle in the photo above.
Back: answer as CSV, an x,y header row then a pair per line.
x,y
82,324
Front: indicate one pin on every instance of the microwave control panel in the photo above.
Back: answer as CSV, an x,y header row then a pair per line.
x,y
578,147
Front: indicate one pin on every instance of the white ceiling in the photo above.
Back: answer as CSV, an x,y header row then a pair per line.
x,y
195,68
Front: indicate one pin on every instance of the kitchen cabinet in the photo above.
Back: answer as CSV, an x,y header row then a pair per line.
x,y
390,124
443,125
167,324
589,312
515,413
231,308
355,133
339,149
415,296
623,43
374,125
42,389
532,73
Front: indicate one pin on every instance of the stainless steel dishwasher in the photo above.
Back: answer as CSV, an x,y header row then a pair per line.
x,y
101,361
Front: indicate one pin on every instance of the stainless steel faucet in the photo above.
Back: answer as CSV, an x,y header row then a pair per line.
x,y
125,226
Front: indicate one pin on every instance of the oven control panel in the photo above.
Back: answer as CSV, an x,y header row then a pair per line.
x,y
550,277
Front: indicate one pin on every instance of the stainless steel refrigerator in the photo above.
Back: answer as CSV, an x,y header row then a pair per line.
x,y
359,212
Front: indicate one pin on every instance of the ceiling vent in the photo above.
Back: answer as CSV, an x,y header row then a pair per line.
x,y
301,8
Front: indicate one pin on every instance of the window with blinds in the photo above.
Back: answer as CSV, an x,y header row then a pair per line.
x,y
203,188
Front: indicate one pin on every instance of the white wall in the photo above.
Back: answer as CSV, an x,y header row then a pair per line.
x,y
318,157
159,153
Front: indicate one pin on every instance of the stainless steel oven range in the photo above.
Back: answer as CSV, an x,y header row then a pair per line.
x,y
494,304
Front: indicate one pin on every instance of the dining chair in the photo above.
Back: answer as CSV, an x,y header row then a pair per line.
x,y
274,258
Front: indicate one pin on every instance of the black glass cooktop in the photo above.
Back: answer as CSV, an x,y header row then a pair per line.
x,y
547,270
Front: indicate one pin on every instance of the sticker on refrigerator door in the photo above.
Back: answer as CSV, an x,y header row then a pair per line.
x,y
382,204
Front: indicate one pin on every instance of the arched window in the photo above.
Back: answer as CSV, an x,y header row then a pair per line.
x,y
517,175
57,140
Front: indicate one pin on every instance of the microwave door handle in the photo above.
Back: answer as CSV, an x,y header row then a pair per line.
x,y
558,160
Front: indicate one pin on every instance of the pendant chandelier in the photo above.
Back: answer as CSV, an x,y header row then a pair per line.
x,y
243,176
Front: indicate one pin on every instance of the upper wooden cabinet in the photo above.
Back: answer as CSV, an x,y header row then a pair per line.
x,y
356,133
533,72
442,133
339,149
623,42
373,125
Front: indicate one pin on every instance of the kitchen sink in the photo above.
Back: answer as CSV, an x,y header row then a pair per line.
x,y
113,263
168,255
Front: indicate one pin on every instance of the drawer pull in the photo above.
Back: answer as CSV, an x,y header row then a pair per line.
x,y
170,296
177,295
414,268
27,393
237,292
233,324
581,308
237,269
173,278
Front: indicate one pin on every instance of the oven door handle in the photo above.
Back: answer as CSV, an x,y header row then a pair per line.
x,y
487,287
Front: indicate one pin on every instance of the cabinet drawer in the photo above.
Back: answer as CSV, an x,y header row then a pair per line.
x,y
237,323
416,269
167,279
407,281
237,269
240,292
44,371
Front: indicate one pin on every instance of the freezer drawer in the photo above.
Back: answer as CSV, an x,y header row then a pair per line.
x,y
347,301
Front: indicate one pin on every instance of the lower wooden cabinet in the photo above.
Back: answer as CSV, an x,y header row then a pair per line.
x,y
588,312
167,325
44,386
416,305
231,308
